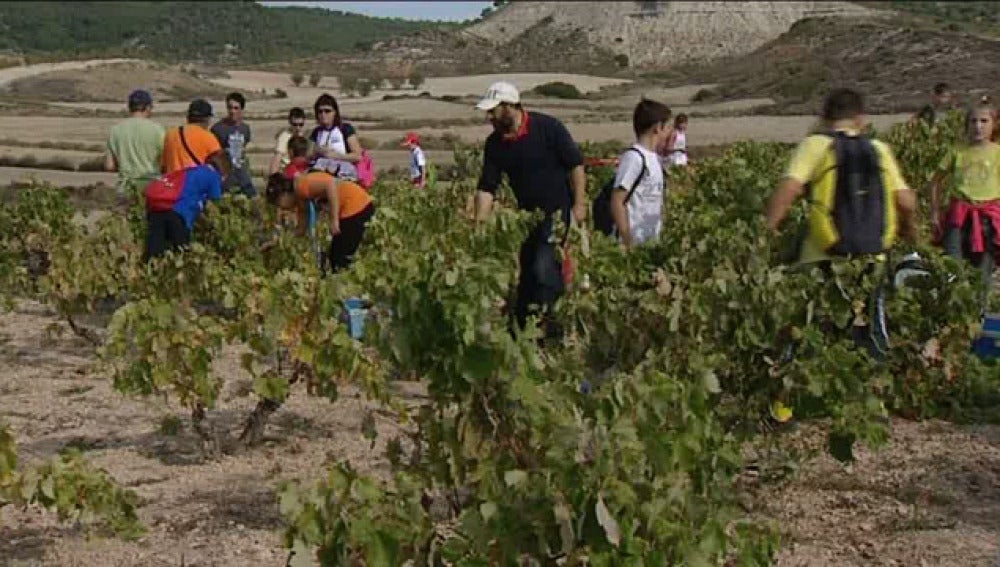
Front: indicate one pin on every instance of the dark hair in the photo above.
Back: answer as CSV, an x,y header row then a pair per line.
x,y
220,161
138,106
277,185
237,98
298,146
681,119
327,99
649,114
296,113
843,104
941,88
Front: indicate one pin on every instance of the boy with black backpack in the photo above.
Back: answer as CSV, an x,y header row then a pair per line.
x,y
858,198
858,201
631,205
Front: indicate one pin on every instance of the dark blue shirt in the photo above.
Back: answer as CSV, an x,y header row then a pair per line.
x,y
537,163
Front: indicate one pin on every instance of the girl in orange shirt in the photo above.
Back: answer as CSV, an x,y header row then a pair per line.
x,y
349,205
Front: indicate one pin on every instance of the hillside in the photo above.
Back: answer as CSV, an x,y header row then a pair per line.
x,y
981,17
653,34
229,32
894,65
110,83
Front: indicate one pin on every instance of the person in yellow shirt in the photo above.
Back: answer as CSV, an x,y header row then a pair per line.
x,y
813,162
846,217
970,226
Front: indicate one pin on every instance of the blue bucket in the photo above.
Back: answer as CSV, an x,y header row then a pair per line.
x,y
987,346
357,312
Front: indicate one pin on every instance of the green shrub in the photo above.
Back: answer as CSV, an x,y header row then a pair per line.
x,y
559,89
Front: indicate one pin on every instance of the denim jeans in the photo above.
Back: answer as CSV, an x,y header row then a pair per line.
x,y
956,246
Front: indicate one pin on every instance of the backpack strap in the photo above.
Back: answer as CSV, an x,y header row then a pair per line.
x,y
638,178
187,147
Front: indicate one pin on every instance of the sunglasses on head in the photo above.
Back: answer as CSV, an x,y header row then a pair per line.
x,y
324,110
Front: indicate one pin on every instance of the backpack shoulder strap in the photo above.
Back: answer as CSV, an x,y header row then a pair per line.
x,y
834,139
187,147
638,178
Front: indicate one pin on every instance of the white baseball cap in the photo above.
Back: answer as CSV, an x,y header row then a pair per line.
x,y
498,93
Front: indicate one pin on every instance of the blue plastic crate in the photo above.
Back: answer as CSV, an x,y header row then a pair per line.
x,y
988,344
357,312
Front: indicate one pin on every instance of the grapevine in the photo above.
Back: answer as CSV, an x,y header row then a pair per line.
x,y
621,445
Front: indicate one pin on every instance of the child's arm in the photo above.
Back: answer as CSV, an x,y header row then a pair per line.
x,y
620,216
906,207
781,201
937,182
333,198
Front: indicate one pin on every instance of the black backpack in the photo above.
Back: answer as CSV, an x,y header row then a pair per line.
x,y
603,221
858,211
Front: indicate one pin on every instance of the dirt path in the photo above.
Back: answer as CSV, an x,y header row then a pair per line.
x,y
930,498
11,74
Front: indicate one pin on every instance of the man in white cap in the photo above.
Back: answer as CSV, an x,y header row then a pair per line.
x,y
544,167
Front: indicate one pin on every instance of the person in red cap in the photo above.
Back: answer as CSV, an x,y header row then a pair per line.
x,y
418,161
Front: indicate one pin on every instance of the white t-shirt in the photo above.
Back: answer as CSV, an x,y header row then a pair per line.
x,y
281,146
417,160
645,206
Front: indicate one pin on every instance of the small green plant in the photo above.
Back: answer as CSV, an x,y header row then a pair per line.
x,y
314,79
297,78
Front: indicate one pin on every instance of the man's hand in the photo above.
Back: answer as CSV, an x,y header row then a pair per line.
x,y
483,206
580,212
335,228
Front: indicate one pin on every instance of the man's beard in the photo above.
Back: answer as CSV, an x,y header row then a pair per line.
x,y
504,124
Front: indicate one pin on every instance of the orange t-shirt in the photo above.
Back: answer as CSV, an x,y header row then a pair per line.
x,y
202,143
353,197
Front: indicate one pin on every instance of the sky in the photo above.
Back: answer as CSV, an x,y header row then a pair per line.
x,y
451,11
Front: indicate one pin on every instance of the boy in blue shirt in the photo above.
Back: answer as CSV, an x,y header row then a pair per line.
x,y
171,229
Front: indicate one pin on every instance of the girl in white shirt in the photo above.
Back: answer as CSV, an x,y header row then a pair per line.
x,y
676,151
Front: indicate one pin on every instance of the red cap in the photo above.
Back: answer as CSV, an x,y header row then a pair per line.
x,y
411,138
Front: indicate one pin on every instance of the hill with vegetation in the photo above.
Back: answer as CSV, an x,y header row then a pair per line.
x,y
894,62
220,32
977,17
